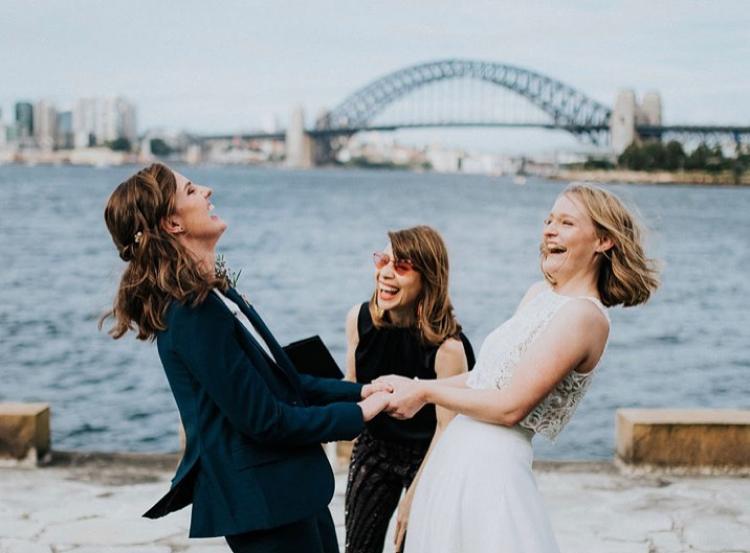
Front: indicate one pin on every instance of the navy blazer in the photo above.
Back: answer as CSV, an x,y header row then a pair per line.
x,y
253,426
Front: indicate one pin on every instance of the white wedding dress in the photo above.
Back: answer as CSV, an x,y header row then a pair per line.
x,y
477,493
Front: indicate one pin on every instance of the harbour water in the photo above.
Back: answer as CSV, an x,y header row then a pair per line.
x,y
303,241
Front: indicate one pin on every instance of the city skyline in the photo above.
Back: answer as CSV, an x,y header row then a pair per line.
x,y
243,66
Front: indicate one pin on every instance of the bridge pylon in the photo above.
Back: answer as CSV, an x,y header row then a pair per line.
x,y
628,115
300,147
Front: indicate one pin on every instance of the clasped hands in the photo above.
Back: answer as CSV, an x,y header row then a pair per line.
x,y
398,396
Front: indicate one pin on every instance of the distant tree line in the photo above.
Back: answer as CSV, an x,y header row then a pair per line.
x,y
121,144
654,155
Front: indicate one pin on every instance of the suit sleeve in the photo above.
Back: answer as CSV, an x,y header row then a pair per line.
x,y
322,391
205,340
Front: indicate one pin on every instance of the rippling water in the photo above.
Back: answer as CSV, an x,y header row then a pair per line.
x,y
303,241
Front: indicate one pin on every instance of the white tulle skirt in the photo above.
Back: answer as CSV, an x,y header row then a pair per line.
x,y
477,494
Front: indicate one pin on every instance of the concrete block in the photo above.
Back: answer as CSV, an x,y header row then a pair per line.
x,y
688,438
24,432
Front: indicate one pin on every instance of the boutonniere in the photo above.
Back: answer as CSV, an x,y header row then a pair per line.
x,y
223,272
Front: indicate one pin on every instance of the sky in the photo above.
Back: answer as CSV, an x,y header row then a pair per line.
x,y
225,67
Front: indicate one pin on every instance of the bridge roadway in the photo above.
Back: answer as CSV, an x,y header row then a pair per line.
x,y
643,130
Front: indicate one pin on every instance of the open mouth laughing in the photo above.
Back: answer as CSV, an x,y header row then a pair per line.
x,y
387,292
553,249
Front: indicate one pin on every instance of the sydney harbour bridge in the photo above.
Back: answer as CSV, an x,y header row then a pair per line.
x,y
467,93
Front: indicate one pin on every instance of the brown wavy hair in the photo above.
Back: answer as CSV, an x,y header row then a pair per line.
x,y
626,276
424,247
159,269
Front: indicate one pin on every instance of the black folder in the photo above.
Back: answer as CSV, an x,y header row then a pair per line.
x,y
311,356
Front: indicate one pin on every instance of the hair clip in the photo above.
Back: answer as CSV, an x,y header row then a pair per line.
x,y
138,236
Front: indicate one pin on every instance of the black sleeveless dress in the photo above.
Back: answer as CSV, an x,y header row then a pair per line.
x,y
388,453
394,350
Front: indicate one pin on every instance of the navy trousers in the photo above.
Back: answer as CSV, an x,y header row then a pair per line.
x,y
315,534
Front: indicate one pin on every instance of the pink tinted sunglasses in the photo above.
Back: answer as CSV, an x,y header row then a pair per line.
x,y
401,266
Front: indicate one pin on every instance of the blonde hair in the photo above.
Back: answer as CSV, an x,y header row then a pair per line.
x,y
626,276
424,247
159,269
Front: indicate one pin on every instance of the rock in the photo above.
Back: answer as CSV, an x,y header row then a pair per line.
x,y
19,528
701,439
24,432
22,546
665,542
109,531
707,533
123,549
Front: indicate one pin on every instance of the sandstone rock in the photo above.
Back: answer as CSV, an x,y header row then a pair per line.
x,y
24,432
692,438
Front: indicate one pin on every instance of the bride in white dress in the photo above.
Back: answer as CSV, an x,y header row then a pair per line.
x,y
477,493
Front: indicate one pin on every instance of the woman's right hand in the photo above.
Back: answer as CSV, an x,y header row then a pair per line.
x,y
374,404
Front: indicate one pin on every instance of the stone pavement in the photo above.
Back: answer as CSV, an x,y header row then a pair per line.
x,y
92,504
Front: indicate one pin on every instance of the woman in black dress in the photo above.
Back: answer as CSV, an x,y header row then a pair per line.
x,y
407,328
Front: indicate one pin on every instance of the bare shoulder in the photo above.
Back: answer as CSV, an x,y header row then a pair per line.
x,y
452,347
450,358
584,314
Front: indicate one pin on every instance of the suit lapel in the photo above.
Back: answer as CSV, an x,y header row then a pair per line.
x,y
282,361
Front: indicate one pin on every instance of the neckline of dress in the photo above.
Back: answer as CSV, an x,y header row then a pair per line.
x,y
596,300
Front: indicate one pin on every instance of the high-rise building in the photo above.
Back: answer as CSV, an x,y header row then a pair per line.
x,y
64,137
24,121
45,124
128,121
84,123
99,121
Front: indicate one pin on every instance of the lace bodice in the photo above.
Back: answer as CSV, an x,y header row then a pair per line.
x,y
504,347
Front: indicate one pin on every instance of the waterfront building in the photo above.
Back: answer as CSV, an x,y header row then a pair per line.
x,y
64,137
24,122
98,121
84,123
45,124
128,120
116,119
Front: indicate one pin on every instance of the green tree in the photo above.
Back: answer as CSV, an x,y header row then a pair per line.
x,y
160,148
674,156
741,162
121,144
654,155
632,158
698,158
598,163
716,161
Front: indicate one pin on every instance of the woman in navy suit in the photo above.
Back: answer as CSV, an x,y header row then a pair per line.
x,y
253,466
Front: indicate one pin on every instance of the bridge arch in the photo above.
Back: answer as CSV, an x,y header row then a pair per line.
x,y
567,107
